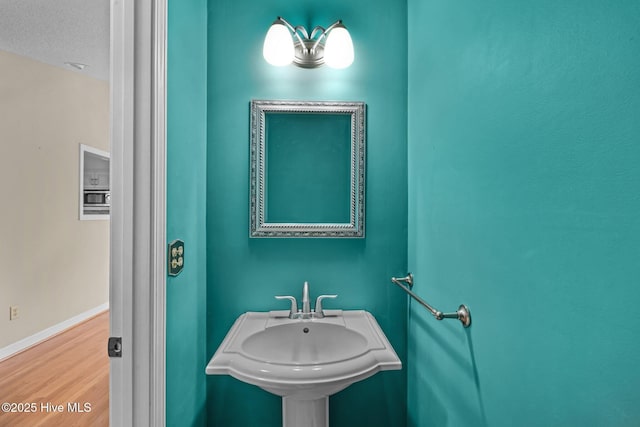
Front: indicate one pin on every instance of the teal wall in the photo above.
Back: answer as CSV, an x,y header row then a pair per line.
x,y
524,178
244,274
186,212
302,145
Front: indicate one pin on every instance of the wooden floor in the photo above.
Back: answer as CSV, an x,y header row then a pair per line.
x,y
58,379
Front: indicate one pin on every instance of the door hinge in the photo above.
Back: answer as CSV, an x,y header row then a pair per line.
x,y
114,347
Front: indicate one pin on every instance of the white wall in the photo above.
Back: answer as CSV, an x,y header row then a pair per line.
x,y
52,266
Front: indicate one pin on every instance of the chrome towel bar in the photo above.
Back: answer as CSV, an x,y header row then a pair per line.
x,y
462,314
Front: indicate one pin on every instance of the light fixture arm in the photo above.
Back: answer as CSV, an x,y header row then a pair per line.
x,y
324,32
293,29
315,30
303,30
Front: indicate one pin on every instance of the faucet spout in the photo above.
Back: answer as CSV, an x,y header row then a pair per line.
x,y
306,307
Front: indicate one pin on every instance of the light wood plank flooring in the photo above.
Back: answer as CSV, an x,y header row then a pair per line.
x,y
70,369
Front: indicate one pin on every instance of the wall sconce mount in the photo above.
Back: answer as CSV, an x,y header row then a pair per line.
x,y
285,44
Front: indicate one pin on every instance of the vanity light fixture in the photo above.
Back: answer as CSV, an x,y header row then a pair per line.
x,y
285,44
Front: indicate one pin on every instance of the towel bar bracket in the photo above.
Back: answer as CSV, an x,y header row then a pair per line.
x,y
462,314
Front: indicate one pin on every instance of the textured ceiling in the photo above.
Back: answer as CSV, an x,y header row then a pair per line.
x,y
58,31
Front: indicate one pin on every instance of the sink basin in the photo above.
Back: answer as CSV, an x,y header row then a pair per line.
x,y
304,360
305,343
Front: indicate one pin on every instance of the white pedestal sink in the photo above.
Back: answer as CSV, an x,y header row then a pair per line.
x,y
304,360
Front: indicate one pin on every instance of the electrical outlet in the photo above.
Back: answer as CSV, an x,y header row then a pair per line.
x,y
13,312
176,257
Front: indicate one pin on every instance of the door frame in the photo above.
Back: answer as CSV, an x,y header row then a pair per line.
x,y
138,212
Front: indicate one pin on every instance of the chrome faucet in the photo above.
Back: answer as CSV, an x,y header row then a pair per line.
x,y
306,312
306,307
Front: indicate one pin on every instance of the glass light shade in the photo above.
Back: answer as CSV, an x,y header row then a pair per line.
x,y
338,50
278,45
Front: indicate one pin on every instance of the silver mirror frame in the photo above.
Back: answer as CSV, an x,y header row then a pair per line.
x,y
258,226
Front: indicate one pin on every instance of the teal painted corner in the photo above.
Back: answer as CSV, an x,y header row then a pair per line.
x,y
518,126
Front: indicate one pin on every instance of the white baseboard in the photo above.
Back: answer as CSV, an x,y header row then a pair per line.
x,y
34,339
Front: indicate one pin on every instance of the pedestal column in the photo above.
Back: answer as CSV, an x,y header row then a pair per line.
x,y
305,413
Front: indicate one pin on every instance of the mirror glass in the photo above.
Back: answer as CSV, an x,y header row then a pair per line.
x,y
307,169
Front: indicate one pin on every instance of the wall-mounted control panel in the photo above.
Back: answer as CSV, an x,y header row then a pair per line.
x,y
176,257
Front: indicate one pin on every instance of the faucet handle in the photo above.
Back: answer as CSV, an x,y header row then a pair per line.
x,y
318,308
294,303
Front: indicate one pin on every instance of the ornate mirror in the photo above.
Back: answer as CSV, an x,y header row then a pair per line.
x,y
307,169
